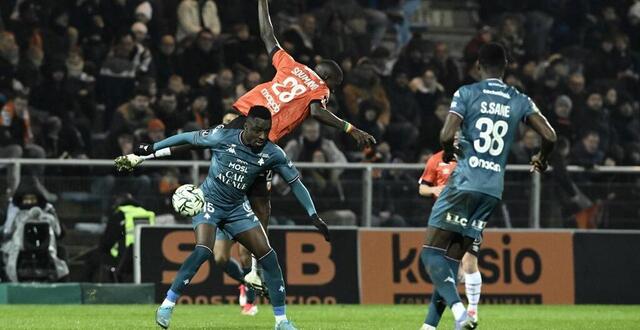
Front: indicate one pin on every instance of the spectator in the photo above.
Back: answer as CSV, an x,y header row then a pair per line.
x,y
405,115
155,131
561,117
9,59
242,48
18,141
523,150
445,68
202,59
587,153
133,115
576,91
364,84
483,37
299,39
596,118
165,60
251,80
512,37
427,90
336,39
166,110
195,17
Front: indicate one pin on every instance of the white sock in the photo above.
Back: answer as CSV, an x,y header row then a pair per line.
x,y
473,285
254,264
458,311
427,327
167,303
281,318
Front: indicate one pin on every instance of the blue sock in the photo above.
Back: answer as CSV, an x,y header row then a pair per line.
x,y
273,280
251,294
189,268
436,308
442,276
233,269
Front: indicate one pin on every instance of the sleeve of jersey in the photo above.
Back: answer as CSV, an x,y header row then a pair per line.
x,y
303,196
204,138
321,95
529,108
429,175
285,168
282,59
457,104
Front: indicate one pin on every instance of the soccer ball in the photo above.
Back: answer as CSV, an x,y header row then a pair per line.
x,y
188,200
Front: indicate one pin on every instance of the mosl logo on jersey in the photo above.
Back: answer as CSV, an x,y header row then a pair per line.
x,y
485,164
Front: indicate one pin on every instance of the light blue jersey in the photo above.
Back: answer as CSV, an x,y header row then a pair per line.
x,y
235,166
491,112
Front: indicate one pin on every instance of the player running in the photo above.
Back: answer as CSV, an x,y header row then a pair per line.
x,y
295,92
488,113
432,182
239,157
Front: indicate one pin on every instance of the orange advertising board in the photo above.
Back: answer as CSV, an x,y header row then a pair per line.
x,y
517,267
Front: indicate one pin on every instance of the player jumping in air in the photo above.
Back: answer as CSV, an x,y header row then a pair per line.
x,y
239,157
488,114
432,182
294,93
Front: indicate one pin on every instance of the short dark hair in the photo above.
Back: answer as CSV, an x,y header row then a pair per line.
x,y
332,67
493,55
258,111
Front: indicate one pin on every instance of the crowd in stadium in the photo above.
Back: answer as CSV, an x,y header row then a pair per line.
x,y
88,78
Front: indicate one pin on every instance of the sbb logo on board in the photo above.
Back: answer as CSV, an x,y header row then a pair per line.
x,y
315,271
516,267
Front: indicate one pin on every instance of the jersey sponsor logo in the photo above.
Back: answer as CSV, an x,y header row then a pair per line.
x,y
464,222
484,164
271,102
496,93
494,108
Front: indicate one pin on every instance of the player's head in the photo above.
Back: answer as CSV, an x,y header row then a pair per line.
x,y
330,72
492,60
257,126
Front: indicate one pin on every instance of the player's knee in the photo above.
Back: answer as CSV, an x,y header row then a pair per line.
x,y
469,263
221,259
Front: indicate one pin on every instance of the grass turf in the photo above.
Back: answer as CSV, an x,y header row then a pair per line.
x,y
313,317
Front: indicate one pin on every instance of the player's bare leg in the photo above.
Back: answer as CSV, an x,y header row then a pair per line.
x,y
472,283
441,255
249,307
255,240
205,239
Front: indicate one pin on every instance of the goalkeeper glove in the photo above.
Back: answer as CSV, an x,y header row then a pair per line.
x,y
322,227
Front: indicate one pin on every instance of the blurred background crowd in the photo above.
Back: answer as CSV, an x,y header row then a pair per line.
x,y
89,78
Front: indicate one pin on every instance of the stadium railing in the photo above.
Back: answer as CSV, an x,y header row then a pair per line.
x,y
519,181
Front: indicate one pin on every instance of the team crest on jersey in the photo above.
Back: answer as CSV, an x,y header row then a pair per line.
x,y
261,161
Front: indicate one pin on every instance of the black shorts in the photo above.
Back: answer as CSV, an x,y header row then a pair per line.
x,y
262,185
474,249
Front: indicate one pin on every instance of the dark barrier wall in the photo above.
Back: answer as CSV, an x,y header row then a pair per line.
x,y
382,266
314,270
606,268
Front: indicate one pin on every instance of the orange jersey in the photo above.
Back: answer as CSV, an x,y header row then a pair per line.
x,y
437,172
288,95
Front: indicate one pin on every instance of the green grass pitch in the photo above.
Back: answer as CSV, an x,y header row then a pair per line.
x,y
313,317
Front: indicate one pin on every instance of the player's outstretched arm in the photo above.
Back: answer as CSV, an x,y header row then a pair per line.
x,y
326,117
541,125
447,137
266,28
303,196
